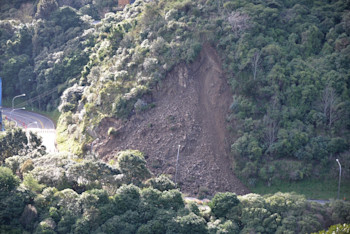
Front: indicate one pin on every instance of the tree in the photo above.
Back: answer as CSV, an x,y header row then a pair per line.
x,y
45,8
190,223
162,183
10,72
66,17
8,181
336,229
16,142
255,62
331,105
172,199
133,166
239,22
12,200
223,204
12,143
126,198
26,77
340,211
271,124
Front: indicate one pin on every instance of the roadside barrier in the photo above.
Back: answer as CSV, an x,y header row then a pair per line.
x,y
18,121
25,126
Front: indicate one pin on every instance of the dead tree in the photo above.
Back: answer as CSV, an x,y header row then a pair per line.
x,y
239,22
271,124
255,61
331,105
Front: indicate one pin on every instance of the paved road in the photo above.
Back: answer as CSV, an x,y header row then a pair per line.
x,y
35,122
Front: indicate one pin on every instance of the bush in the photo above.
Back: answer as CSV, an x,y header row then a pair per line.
x,y
126,198
223,204
336,229
133,166
8,181
162,183
32,184
45,8
340,211
27,166
190,223
172,199
67,107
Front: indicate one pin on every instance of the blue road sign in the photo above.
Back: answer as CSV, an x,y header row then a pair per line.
x,y
1,123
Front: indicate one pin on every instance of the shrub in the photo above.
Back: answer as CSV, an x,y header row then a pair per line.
x,y
45,8
32,184
223,203
8,181
27,166
126,198
162,183
340,211
46,226
203,192
133,166
67,107
336,229
172,199
190,223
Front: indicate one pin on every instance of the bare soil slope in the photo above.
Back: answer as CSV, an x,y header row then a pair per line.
x,y
191,105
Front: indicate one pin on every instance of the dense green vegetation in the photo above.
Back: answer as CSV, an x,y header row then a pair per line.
x,y
62,193
314,188
133,52
339,228
291,84
38,57
44,46
290,81
287,63
18,142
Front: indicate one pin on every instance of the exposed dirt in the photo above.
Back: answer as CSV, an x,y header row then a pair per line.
x,y
191,105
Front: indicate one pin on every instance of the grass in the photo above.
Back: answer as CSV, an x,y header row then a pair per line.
x,y
312,189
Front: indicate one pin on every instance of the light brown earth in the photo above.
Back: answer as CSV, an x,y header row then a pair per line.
x,y
191,106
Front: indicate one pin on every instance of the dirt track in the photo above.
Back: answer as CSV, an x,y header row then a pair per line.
x,y
191,105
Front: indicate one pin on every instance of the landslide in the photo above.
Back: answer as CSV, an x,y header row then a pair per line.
x,y
191,106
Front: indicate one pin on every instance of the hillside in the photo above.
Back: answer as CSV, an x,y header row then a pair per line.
x,y
285,62
190,109
289,79
254,93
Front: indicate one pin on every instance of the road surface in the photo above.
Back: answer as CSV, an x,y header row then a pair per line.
x,y
34,122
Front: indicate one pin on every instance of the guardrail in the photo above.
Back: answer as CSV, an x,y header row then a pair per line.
x,y
17,121
25,126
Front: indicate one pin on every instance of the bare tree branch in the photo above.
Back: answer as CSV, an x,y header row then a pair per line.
x,y
255,61
331,105
239,21
272,125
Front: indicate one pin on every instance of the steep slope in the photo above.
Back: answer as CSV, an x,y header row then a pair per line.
x,y
287,65
190,109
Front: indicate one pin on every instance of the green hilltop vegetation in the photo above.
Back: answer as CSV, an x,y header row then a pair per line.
x,y
287,63
63,193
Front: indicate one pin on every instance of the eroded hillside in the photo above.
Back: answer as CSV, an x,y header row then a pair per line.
x,y
191,105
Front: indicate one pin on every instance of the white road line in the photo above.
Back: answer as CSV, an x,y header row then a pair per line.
x,y
47,130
